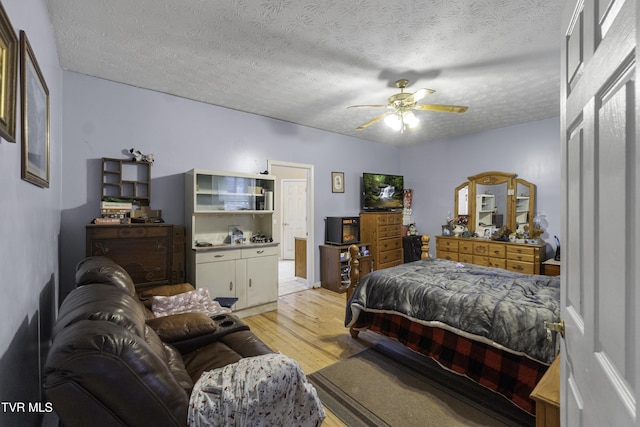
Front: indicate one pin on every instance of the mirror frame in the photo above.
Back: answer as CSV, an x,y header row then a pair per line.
x,y
497,178
456,205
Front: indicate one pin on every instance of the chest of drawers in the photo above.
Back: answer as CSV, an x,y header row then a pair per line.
x,y
518,257
384,232
150,253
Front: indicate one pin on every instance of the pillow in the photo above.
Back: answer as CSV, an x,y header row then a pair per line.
x,y
193,301
146,294
180,326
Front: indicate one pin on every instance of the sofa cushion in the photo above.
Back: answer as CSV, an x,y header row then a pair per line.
x,y
100,374
181,326
99,269
101,302
171,356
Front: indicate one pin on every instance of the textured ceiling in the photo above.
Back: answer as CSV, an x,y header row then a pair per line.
x,y
306,61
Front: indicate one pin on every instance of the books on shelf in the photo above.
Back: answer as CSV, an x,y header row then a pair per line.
x,y
114,213
116,205
105,221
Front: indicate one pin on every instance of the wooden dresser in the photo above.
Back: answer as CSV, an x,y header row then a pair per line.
x,y
150,253
384,232
518,257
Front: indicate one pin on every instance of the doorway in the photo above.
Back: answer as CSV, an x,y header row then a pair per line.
x,y
290,176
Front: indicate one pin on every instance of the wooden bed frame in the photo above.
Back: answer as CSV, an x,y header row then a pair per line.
x,y
506,373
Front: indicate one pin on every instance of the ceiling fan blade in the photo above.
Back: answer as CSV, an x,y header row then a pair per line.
x,y
419,94
372,121
442,108
368,106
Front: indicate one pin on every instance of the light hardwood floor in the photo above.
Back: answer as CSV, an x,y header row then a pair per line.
x,y
309,327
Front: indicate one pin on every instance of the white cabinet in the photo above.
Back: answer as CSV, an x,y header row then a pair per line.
x,y
249,274
215,204
262,275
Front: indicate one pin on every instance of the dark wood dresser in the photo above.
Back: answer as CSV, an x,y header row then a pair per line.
x,y
150,253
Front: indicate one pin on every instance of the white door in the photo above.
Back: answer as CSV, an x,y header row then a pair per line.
x,y
600,210
294,214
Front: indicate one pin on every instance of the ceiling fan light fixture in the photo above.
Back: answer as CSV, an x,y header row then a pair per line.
x,y
394,121
410,119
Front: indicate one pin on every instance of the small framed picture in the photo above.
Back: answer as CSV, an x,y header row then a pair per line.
x,y
337,182
446,230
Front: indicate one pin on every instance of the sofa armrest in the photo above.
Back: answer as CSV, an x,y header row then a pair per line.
x,y
178,327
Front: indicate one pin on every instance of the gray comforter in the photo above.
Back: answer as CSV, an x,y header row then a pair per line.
x,y
492,305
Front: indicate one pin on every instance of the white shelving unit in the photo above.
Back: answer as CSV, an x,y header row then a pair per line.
x,y
522,212
217,202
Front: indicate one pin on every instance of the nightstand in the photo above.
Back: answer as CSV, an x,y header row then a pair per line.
x,y
547,397
551,267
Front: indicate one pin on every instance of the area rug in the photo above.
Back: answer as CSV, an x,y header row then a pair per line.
x,y
389,385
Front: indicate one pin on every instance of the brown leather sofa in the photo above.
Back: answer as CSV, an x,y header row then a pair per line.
x,y
112,363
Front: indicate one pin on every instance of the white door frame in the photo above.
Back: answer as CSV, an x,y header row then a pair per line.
x,y
310,213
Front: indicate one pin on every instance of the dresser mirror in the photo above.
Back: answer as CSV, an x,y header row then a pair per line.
x,y
461,203
493,199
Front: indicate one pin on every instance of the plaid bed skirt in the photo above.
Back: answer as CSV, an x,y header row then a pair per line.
x,y
508,374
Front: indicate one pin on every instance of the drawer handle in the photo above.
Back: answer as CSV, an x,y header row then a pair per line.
x,y
496,252
230,286
250,283
218,256
519,257
518,267
260,251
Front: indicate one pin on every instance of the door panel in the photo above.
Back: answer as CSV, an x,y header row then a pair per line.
x,y
600,188
294,214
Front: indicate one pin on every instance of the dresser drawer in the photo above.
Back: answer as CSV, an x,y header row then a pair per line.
x,y
389,220
448,255
497,262
388,231
465,258
465,247
497,251
481,260
127,232
389,244
481,248
520,267
447,245
389,256
524,256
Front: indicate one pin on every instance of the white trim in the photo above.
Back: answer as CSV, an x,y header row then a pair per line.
x,y
310,215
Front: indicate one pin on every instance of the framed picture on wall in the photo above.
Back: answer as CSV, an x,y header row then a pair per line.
x,y
337,182
35,117
8,77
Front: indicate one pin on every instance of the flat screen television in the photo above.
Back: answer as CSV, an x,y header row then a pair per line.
x,y
382,192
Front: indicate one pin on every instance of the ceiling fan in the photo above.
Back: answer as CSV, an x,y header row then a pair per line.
x,y
401,117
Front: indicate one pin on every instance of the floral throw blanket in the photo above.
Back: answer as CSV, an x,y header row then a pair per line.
x,y
495,306
198,300
267,390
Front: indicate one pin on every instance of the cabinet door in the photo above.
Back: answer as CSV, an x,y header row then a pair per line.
x,y
262,280
219,278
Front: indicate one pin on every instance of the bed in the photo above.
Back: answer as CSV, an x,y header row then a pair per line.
x,y
481,322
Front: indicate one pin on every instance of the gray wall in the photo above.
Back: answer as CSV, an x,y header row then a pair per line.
x,y
104,119
436,168
29,226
